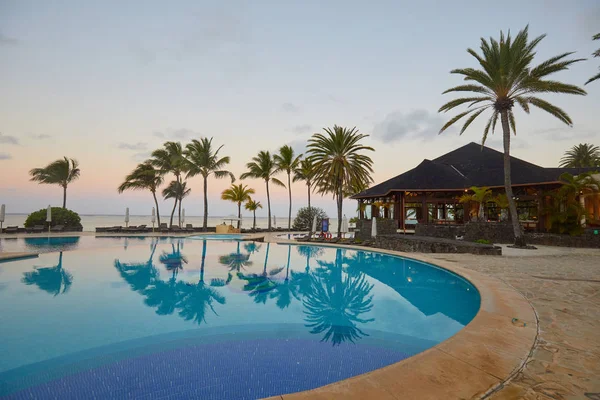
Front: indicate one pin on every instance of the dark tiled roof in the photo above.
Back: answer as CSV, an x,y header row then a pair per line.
x,y
469,165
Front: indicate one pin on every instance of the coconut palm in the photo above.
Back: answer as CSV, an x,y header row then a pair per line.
x,y
263,167
143,177
170,159
304,172
238,194
203,159
178,191
252,205
595,54
581,155
340,163
480,196
60,172
507,78
287,162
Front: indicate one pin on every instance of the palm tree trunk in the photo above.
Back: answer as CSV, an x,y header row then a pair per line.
x,y
205,221
173,213
239,214
266,258
308,186
290,198
268,204
156,204
518,230
179,211
254,220
202,263
64,196
340,201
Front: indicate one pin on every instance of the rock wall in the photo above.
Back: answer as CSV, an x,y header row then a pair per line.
x,y
440,231
385,226
424,244
495,232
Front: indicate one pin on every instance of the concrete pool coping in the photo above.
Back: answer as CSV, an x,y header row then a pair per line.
x,y
476,362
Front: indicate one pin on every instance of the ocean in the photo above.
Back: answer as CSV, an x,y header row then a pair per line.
x,y
91,222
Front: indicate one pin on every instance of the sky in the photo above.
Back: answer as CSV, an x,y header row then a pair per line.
x,y
107,82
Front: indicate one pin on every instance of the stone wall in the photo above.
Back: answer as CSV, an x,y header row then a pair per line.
x,y
440,231
495,232
424,244
385,226
587,240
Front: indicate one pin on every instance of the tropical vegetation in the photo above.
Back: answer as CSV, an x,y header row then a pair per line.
x,y
176,190
581,155
305,217
238,194
508,78
287,161
60,172
59,216
144,177
170,159
305,171
480,196
252,205
595,54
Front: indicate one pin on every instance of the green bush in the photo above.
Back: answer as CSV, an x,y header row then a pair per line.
x,y
483,241
60,216
353,220
305,216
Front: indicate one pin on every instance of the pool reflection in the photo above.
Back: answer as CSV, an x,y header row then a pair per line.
x,y
54,280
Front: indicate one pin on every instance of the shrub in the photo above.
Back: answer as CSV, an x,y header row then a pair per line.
x,y
60,216
353,220
483,241
305,216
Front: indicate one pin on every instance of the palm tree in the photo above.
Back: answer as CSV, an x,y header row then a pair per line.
x,y
506,78
304,172
178,191
581,155
263,167
238,194
60,172
595,54
203,159
339,163
480,196
54,280
287,162
143,177
170,159
252,205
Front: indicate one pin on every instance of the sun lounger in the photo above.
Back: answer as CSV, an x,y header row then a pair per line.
x,y
176,229
142,228
114,229
163,228
38,229
189,228
11,229
57,228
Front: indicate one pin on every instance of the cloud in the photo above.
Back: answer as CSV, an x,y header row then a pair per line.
x,y
564,133
299,146
133,146
301,129
5,156
418,124
496,142
176,134
289,107
40,137
142,54
7,40
6,139
141,156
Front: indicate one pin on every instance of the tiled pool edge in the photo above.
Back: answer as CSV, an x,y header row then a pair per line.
x,y
12,256
475,363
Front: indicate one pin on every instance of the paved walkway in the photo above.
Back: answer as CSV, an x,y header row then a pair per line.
x,y
564,287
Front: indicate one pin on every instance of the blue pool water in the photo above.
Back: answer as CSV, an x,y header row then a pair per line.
x,y
213,319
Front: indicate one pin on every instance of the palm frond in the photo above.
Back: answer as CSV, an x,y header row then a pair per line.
x,y
551,109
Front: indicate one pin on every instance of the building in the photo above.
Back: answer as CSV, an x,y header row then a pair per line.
x,y
430,192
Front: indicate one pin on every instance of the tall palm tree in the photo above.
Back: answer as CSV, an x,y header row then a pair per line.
x,y
507,78
339,163
252,205
203,159
595,54
581,155
178,191
170,159
143,177
263,167
238,194
287,162
304,172
60,172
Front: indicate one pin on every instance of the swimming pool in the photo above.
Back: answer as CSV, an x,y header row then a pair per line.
x,y
215,320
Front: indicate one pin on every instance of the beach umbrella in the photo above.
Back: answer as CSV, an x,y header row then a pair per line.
x,y
126,217
183,216
2,215
49,217
344,226
314,226
374,228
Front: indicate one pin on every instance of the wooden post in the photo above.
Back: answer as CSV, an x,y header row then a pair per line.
x,y
424,210
403,211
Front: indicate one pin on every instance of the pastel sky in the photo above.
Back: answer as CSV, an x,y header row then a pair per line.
x,y
106,82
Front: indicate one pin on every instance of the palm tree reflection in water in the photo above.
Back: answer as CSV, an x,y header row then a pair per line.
x,y
257,285
54,280
236,262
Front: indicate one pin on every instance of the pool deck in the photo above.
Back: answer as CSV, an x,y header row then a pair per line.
x,y
11,256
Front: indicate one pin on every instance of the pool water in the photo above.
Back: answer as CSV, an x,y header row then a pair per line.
x,y
214,319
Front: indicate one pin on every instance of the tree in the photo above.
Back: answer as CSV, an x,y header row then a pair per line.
x,y
581,155
480,196
595,54
339,163
203,159
60,172
143,177
507,78
305,217
238,194
170,159
304,172
286,161
252,205
178,191
263,167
